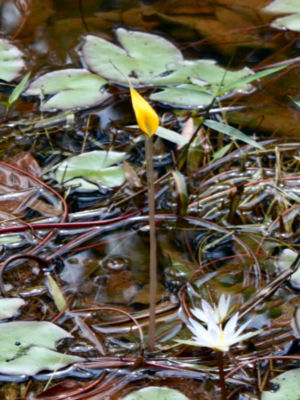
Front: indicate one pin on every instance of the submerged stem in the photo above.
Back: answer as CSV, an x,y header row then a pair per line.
x,y
221,375
153,259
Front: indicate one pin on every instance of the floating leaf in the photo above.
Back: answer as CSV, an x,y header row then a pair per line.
x,y
96,166
283,6
291,22
185,96
150,60
71,88
286,387
26,347
285,260
145,115
9,306
233,132
157,393
11,61
144,56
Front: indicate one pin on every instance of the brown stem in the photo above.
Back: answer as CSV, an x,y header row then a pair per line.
x,y
221,375
153,259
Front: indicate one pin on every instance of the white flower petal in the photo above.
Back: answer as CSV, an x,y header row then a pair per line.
x,y
198,313
242,327
223,306
231,324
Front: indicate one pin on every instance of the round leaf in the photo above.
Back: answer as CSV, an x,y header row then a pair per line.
x,y
36,359
185,96
291,22
157,393
72,88
143,57
26,347
286,387
286,259
11,61
9,306
283,6
95,166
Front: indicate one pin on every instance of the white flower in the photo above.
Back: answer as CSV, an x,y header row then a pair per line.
x,y
215,336
217,313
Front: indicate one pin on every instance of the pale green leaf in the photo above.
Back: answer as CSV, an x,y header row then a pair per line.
x,y
56,293
283,6
70,88
9,306
240,84
184,96
221,152
291,22
285,260
11,61
167,134
18,89
233,132
96,166
143,56
26,347
287,386
296,101
156,393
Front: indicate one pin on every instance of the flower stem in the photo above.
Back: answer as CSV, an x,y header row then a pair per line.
x,y
153,258
221,375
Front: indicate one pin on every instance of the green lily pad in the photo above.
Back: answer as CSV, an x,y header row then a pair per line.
x,y
291,22
150,60
27,347
285,260
283,6
96,166
157,393
286,386
184,96
11,61
9,306
143,57
71,88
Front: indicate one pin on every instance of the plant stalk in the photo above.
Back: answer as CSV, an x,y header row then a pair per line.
x,y
221,375
153,258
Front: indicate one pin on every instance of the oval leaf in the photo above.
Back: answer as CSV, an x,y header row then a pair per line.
x,y
184,96
11,61
143,56
286,387
72,88
26,347
157,393
9,306
96,166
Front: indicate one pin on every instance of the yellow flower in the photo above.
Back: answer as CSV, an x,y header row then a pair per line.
x,y
145,115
